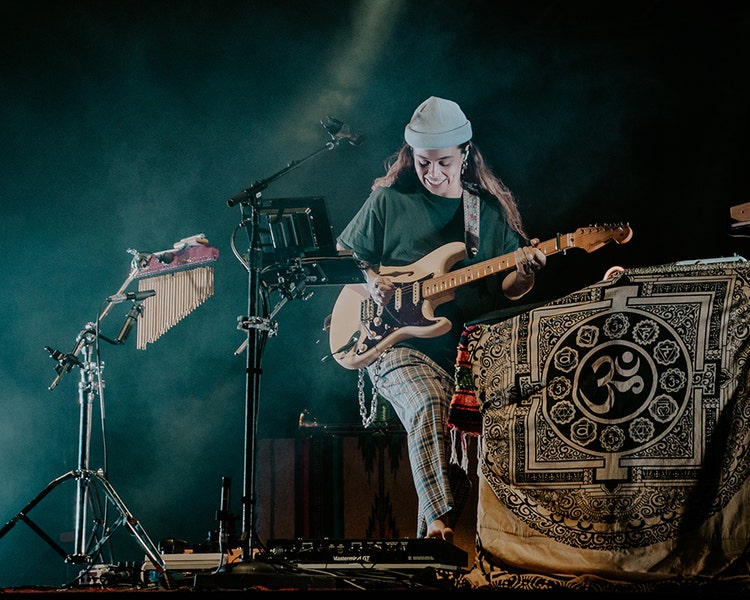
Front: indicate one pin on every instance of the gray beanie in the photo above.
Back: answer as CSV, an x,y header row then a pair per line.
x,y
437,123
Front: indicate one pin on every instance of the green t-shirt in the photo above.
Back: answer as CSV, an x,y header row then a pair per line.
x,y
395,228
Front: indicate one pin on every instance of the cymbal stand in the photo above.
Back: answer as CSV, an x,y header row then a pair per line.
x,y
259,327
89,483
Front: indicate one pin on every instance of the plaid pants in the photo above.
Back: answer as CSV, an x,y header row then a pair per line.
x,y
420,392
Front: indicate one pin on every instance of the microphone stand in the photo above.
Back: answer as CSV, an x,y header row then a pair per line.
x,y
86,545
258,329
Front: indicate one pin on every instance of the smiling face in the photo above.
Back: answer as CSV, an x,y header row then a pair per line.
x,y
440,170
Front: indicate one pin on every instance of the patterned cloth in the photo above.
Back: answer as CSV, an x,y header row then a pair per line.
x,y
615,432
463,414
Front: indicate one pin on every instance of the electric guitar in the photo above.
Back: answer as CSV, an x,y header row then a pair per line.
x,y
361,330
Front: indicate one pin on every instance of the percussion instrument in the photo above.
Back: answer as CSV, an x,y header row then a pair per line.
x,y
183,279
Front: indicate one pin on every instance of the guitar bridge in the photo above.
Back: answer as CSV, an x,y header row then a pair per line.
x,y
371,318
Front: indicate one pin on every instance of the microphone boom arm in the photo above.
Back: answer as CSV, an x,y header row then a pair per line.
x,y
258,186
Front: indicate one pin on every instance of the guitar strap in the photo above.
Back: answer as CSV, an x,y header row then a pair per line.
x,y
471,221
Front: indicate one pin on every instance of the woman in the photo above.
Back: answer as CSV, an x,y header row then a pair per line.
x,y
437,190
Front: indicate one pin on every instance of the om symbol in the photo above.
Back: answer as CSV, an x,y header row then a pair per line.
x,y
620,374
616,382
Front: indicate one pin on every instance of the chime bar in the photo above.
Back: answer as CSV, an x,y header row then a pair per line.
x,y
183,279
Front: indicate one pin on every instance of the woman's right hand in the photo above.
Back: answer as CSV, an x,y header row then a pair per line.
x,y
381,289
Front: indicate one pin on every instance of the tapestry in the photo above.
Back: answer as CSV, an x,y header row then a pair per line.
x,y
613,430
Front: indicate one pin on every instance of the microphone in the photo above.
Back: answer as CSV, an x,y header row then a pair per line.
x,y
136,296
135,311
224,517
165,258
341,131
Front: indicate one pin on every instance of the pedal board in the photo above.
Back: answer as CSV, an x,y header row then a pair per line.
x,y
395,554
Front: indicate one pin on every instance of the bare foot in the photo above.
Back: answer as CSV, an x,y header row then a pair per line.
x,y
438,529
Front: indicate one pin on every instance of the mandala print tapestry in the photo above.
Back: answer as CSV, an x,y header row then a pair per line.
x,y
614,432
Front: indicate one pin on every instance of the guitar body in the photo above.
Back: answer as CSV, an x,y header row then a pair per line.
x,y
361,330
356,315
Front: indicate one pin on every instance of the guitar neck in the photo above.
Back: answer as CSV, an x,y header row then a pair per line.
x,y
365,334
454,279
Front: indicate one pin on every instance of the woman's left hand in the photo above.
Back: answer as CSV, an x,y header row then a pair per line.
x,y
529,259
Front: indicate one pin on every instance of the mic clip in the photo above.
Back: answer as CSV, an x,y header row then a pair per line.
x,y
341,131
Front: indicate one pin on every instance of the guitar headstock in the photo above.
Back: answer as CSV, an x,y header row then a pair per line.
x,y
594,237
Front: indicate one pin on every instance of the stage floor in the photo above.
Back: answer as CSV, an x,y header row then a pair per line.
x,y
360,579
329,564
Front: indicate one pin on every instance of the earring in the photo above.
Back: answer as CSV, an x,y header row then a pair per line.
x,y
465,162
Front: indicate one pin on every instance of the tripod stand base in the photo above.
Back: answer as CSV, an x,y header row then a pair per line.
x,y
247,568
249,577
259,575
87,481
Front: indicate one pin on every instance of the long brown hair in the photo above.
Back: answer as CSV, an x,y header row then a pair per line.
x,y
400,167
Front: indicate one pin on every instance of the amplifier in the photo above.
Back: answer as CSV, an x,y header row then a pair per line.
x,y
398,554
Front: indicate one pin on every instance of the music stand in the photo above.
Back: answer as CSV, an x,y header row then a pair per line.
x,y
298,246
87,546
294,227
305,229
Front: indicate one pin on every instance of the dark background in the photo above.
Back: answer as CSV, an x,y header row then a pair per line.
x,y
130,126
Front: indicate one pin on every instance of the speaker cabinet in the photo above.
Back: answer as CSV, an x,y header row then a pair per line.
x,y
336,482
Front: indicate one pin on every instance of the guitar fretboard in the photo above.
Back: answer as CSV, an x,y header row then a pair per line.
x,y
587,238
